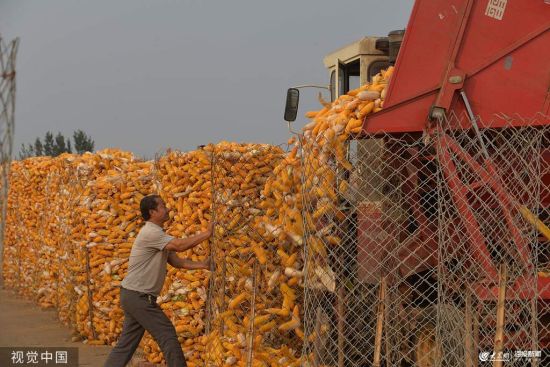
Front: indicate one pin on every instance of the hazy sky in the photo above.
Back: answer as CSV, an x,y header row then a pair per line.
x,y
147,75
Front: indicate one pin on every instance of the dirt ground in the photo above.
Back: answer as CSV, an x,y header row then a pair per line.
x,y
25,325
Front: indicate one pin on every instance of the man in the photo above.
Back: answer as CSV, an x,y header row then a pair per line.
x,y
151,251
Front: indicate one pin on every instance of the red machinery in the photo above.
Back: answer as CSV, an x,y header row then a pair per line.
x,y
445,191
488,64
497,51
488,56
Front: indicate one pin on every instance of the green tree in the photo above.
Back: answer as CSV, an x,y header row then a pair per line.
x,y
49,144
54,146
38,147
82,142
59,146
26,151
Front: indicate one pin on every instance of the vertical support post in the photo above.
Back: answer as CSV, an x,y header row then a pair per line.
x,y
250,352
476,335
387,346
534,336
211,287
317,342
212,280
468,335
222,305
19,280
379,323
341,322
90,295
57,285
499,335
8,53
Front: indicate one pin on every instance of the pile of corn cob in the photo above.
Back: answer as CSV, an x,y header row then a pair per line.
x,y
257,293
324,148
184,182
281,228
27,232
109,209
14,229
308,169
239,322
61,229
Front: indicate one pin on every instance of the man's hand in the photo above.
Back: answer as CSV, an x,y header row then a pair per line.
x,y
205,264
211,228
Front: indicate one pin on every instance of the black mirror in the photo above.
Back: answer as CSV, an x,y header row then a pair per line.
x,y
291,107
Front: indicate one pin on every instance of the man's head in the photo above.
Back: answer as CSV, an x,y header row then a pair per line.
x,y
153,209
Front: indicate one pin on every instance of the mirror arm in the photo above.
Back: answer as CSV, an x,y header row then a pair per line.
x,y
292,131
313,86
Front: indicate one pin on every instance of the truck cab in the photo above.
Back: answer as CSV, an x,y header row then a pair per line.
x,y
357,63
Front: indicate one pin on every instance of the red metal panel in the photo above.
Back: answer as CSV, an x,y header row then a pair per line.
x,y
370,230
505,62
426,49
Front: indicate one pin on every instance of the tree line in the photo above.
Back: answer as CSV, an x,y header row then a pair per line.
x,y
55,145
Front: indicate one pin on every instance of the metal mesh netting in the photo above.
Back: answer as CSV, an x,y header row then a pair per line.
x,y
489,192
253,307
426,250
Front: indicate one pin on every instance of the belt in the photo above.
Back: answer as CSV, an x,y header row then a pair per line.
x,y
150,297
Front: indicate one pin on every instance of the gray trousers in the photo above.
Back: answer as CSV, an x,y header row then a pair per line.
x,y
141,313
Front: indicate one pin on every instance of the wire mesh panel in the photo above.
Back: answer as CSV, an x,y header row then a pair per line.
x,y
25,231
426,249
247,323
371,236
183,180
14,232
489,196
65,220
543,254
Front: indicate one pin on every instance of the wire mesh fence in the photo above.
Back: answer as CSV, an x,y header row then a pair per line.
x,y
253,304
385,250
427,250
183,180
489,189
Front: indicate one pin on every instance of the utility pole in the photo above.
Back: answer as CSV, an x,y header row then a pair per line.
x,y
8,52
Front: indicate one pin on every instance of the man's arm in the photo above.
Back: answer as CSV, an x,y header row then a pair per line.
x,y
183,244
178,262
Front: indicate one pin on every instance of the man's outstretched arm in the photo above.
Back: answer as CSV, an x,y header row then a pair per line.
x,y
183,244
182,263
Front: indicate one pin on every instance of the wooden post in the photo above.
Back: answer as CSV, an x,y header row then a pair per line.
x,y
211,286
250,354
19,281
379,323
222,305
468,336
499,335
212,281
317,342
385,329
90,295
534,336
475,326
341,323
209,293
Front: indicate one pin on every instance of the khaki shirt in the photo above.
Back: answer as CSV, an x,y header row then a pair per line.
x,y
148,259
